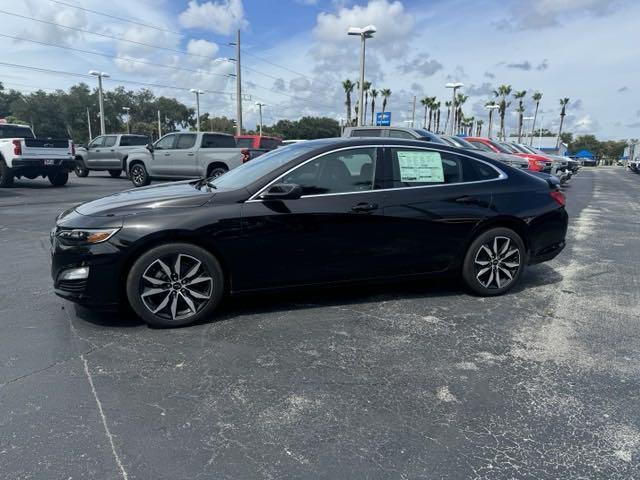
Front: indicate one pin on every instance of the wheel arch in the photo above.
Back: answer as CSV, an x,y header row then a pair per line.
x,y
514,223
216,164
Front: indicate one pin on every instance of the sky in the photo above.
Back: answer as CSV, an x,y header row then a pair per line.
x,y
295,53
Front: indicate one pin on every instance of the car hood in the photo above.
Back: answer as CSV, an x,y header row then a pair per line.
x,y
130,202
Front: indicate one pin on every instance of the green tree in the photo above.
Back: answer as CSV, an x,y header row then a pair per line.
x,y
502,93
348,87
537,96
519,95
386,93
374,94
563,103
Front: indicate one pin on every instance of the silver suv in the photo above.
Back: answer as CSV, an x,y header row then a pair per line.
x,y
393,132
108,152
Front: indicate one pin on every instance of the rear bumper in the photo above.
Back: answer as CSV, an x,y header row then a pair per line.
x,y
66,163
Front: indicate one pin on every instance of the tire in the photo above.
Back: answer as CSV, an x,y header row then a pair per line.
x,y
115,173
139,175
177,300
6,175
488,274
215,172
81,169
58,179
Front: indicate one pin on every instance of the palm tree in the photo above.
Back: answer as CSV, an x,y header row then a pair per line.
x,y
348,86
460,100
520,96
386,93
446,122
432,102
425,102
563,112
502,93
436,108
479,128
366,87
374,94
490,103
537,96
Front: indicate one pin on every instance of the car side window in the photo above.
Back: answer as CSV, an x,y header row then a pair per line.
x,y
110,140
165,143
481,146
97,142
484,171
132,140
219,141
186,141
337,172
366,132
401,134
419,167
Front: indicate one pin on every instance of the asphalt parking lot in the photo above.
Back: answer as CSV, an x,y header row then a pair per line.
x,y
404,381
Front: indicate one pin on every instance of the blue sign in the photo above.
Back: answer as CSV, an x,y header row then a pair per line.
x,y
383,119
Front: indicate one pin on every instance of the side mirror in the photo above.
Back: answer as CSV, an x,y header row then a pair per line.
x,y
282,191
150,147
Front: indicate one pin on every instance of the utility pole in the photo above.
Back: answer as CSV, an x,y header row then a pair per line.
x,y
89,124
159,125
100,76
413,112
197,94
238,86
260,105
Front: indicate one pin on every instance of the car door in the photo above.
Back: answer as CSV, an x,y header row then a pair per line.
x,y
435,200
94,149
334,232
183,156
109,156
162,165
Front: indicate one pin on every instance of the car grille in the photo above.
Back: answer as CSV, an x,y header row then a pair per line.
x,y
72,286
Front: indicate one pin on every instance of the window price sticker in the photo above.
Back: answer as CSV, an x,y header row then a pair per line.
x,y
418,166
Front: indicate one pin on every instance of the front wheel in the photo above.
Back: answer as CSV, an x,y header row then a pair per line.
x,y
174,285
58,179
81,169
115,173
139,175
494,262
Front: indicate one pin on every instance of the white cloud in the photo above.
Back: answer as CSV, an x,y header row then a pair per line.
x,y
221,17
299,84
537,14
202,48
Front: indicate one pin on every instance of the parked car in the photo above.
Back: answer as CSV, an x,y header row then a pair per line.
x,y
108,152
323,212
24,155
506,155
393,132
512,160
257,142
186,155
537,163
559,166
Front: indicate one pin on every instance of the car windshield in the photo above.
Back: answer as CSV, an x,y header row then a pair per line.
x,y
461,142
249,172
505,148
429,136
528,149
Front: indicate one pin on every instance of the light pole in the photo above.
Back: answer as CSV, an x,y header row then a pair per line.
x,y
453,86
364,33
491,108
100,76
525,119
260,105
127,109
197,94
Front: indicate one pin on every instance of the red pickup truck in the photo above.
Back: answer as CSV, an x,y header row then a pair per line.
x,y
257,142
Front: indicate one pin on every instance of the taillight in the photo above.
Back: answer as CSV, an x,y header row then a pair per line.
x,y
559,197
246,156
73,148
535,165
17,147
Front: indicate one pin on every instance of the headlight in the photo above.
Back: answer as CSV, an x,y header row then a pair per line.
x,y
86,236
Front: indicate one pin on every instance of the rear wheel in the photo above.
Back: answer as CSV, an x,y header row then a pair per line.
x,y
115,173
215,172
494,262
81,169
174,285
58,179
139,175
6,175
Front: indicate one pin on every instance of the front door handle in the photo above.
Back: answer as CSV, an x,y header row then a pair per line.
x,y
466,199
167,154
364,207
190,154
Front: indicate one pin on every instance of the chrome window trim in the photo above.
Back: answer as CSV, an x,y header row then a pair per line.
x,y
501,174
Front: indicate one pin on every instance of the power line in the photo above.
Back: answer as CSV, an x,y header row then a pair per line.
x,y
122,19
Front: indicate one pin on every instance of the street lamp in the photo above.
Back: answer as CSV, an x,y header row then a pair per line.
x,y
454,86
197,94
127,109
364,33
491,108
260,105
100,76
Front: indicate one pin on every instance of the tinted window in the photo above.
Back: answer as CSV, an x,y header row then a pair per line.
x,y
401,134
366,132
186,141
165,142
484,171
15,131
460,142
480,145
97,142
133,140
413,168
270,143
219,141
511,148
110,141
337,172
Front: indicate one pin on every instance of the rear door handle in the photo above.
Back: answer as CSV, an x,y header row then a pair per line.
x,y
466,199
364,207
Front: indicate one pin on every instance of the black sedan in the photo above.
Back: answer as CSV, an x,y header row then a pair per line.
x,y
314,213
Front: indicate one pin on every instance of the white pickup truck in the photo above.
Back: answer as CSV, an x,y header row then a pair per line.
x,y
186,155
24,155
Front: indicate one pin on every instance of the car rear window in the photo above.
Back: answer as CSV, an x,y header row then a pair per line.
x,y
133,140
244,142
366,132
270,143
219,141
15,131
